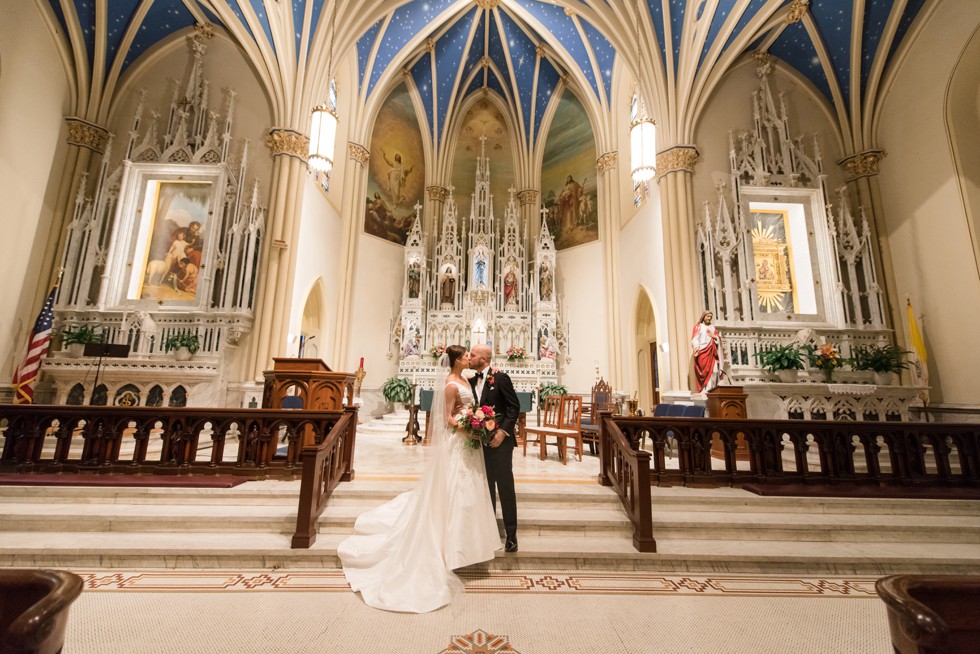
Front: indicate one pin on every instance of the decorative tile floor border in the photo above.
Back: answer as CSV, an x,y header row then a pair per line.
x,y
524,581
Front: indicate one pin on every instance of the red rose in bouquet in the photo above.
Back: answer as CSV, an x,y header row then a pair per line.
x,y
478,424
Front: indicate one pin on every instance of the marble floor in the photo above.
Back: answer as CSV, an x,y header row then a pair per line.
x,y
537,611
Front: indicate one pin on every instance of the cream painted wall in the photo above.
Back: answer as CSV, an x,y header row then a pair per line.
x,y
581,290
33,103
378,285
928,228
319,242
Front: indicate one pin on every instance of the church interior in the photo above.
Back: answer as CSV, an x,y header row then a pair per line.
x,y
201,191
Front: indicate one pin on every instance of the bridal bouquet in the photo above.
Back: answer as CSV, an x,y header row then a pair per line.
x,y
478,424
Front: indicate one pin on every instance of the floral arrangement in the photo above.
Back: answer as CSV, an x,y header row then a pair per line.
x,y
438,350
515,353
826,357
478,424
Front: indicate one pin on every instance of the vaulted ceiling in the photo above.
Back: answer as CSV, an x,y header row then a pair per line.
x,y
520,49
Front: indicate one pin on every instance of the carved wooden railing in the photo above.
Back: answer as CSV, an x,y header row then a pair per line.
x,y
810,452
780,452
627,470
145,440
324,466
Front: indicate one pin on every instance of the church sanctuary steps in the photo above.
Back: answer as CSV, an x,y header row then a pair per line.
x,y
565,525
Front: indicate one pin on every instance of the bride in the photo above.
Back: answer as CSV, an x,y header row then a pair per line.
x,y
403,553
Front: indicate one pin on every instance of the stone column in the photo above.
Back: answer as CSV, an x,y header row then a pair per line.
x,y
862,178
675,170
84,139
352,209
609,221
278,265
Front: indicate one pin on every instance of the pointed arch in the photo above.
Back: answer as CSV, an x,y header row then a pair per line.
x,y
646,372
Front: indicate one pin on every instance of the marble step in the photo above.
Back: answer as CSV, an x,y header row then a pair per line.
x,y
537,515
337,518
236,551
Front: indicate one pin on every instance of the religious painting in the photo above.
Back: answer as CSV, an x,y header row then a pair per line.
x,y
396,170
568,176
483,129
171,241
770,252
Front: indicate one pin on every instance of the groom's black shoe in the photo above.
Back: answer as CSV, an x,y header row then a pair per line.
x,y
510,545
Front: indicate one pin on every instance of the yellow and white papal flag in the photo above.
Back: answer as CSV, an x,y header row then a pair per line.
x,y
918,362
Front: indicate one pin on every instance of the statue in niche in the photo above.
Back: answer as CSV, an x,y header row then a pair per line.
x,y
447,287
510,287
480,271
414,345
545,282
414,280
547,347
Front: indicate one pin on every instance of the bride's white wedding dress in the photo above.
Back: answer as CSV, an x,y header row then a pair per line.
x,y
403,553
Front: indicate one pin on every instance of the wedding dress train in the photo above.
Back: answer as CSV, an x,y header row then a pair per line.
x,y
403,553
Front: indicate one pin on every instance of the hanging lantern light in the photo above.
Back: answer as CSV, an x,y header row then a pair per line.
x,y
643,149
323,138
323,126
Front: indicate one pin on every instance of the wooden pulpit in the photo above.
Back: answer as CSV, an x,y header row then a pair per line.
x,y
728,403
311,381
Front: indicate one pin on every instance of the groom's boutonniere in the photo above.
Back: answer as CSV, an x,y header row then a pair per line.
x,y
490,379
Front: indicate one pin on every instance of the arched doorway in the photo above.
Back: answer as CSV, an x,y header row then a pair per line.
x,y
645,339
963,123
311,327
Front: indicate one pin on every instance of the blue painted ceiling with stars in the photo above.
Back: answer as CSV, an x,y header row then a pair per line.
x,y
520,49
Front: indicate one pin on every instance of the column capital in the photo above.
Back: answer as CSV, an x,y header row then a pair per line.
x,y
607,161
87,135
358,152
437,193
527,196
288,142
680,158
862,164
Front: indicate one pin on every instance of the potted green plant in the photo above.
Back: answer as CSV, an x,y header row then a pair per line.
x,y
550,388
75,339
786,361
884,360
184,344
397,389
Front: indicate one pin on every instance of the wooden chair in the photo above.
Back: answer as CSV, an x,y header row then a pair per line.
x,y
550,419
34,609
568,425
602,400
571,427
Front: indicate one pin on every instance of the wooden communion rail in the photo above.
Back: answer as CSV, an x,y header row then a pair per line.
x,y
319,446
877,454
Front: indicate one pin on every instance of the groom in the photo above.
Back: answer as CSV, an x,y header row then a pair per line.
x,y
495,389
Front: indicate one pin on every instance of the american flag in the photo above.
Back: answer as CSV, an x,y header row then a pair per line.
x,y
37,347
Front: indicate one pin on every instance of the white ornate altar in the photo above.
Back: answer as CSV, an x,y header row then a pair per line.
x,y
779,264
167,244
495,292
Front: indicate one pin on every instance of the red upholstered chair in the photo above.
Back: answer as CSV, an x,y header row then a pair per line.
x,y
34,609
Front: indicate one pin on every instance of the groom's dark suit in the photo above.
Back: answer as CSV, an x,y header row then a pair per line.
x,y
498,392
